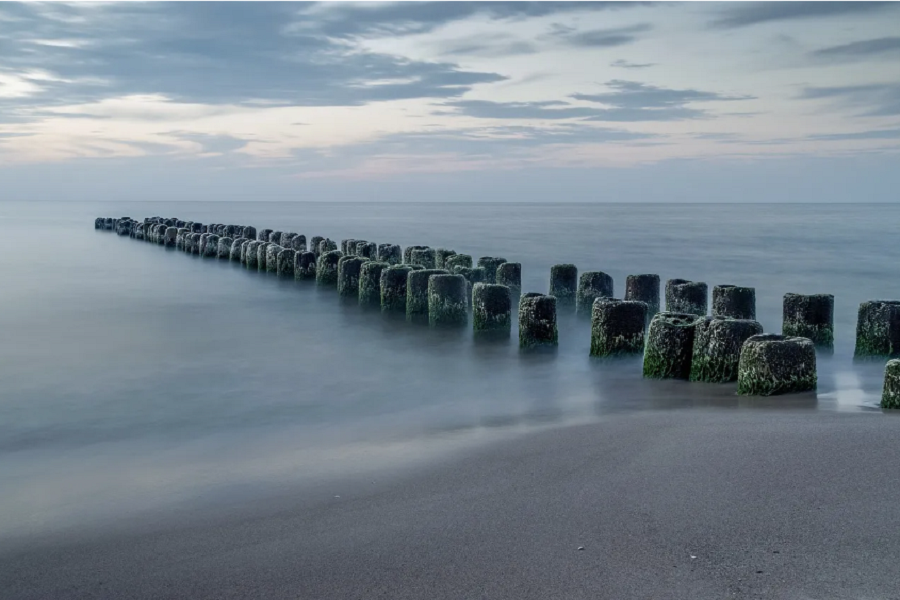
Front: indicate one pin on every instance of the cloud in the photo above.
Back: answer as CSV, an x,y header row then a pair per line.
x,y
485,109
875,100
861,49
408,18
497,45
598,38
624,64
745,14
210,53
879,134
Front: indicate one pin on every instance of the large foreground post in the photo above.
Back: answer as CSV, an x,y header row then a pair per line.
x,y
670,344
617,327
774,364
717,348
878,329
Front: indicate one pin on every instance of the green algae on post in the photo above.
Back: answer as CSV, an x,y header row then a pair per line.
x,y
457,260
305,265
878,329
407,253
537,321
617,326
717,347
564,283
417,292
422,256
809,316
367,250
890,394
390,254
773,364
327,268
370,282
447,303
683,296
491,307
348,275
393,288
592,285
284,262
669,345
734,301
490,265
440,257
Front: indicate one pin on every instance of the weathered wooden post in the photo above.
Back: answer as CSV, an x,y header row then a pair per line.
x,y
734,301
370,282
490,265
423,256
890,394
670,345
537,321
809,316
441,255
390,254
774,364
348,275
447,305
644,288
683,296
327,267
592,285
564,284
510,275
457,260
393,288
417,293
224,249
491,307
878,329
717,347
305,265
617,326
272,251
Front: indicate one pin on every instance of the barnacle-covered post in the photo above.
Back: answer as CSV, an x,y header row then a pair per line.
x,y
249,232
890,394
195,243
171,234
537,321
510,275
370,282
617,326
275,237
212,246
878,329
314,244
348,275
272,251
390,254
457,260
441,255
809,316
473,276
284,262
305,265
773,364
251,259
447,300
366,250
235,253
286,238
298,243
734,301
262,256
683,296
490,265
263,235
327,268
326,245
417,293
393,288
407,253
669,346
491,307
423,256
224,251
644,288
592,285
564,284
717,347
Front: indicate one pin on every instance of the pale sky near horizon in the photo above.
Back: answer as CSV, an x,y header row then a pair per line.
x,y
502,101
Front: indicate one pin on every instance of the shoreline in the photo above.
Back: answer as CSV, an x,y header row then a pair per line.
x,y
804,497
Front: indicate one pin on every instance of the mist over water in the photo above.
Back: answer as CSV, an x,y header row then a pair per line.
x,y
135,377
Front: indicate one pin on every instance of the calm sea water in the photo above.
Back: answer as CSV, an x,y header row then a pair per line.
x,y
136,378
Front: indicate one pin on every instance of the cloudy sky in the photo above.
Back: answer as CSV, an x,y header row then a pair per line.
x,y
561,101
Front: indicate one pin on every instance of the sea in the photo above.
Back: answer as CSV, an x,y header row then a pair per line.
x,y
137,381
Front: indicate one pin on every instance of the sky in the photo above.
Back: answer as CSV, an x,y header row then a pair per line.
x,y
451,101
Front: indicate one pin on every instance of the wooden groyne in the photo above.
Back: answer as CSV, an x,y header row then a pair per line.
x,y
440,286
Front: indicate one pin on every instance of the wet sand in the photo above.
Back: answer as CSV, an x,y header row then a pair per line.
x,y
683,504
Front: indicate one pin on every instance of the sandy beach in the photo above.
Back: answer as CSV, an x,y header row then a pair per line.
x,y
680,504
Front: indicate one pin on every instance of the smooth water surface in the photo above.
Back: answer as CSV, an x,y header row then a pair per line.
x,y
135,377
